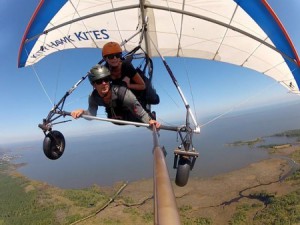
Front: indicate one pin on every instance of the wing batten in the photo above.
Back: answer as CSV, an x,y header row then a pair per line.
x,y
82,18
222,24
166,9
244,33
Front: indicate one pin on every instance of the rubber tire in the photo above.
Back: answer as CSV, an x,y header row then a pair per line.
x,y
54,145
183,172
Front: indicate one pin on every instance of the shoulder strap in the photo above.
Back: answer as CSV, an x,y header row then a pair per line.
x,y
121,93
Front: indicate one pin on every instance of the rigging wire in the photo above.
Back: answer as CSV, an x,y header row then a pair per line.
x,y
64,47
41,84
38,77
58,73
167,93
62,56
87,31
225,34
115,16
180,49
239,104
39,80
36,73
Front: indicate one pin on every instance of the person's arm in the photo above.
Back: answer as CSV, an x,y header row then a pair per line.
x,y
137,84
132,78
93,106
92,109
136,108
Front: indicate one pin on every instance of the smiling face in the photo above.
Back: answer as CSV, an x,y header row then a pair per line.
x,y
113,60
102,86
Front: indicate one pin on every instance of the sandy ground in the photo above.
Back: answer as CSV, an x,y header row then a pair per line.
x,y
215,198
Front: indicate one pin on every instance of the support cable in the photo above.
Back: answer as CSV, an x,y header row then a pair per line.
x,y
41,84
179,49
237,105
175,82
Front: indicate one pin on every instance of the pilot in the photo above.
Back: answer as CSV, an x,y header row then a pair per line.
x,y
119,102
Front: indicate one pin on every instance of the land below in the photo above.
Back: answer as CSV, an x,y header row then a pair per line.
x,y
266,192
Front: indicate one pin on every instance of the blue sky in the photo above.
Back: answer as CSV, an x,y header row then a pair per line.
x,y
211,87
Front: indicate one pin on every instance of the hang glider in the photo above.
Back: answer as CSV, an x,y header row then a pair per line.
x,y
241,32
246,33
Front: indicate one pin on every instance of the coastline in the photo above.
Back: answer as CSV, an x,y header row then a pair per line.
x,y
218,198
215,200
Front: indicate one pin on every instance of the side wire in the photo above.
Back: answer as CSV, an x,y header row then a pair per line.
x,y
180,49
39,80
239,104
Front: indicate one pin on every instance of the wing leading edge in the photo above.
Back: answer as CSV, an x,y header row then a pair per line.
x,y
244,33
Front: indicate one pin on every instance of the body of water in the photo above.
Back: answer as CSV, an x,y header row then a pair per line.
x,y
122,156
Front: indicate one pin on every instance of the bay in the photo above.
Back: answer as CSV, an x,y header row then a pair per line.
x,y
127,156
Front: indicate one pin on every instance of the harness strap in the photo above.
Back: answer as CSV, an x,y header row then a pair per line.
x,y
115,109
121,93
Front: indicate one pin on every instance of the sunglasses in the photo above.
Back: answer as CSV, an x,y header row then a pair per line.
x,y
112,56
100,81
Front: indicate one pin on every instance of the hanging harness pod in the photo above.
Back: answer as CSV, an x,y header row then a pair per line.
x,y
148,96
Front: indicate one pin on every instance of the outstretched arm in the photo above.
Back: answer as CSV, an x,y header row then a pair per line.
x,y
77,113
131,102
154,123
92,110
138,84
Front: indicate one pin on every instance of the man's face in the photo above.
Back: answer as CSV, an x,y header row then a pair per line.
x,y
102,86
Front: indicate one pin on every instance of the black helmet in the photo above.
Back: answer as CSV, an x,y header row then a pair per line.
x,y
98,72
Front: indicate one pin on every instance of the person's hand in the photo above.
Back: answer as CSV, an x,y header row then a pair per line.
x,y
77,113
154,123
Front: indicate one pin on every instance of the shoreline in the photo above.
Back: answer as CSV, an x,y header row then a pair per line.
x,y
282,152
214,200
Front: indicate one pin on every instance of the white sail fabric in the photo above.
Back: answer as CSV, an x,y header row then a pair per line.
x,y
217,30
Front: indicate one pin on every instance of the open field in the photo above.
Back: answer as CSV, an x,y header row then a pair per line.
x,y
261,193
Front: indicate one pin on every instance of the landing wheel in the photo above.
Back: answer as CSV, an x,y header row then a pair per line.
x,y
54,145
183,171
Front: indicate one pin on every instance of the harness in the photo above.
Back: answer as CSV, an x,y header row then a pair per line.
x,y
115,109
148,96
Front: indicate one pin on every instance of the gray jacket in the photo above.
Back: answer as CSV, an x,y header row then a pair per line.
x,y
123,105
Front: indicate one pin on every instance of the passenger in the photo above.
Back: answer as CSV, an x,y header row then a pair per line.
x,y
122,72
119,101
